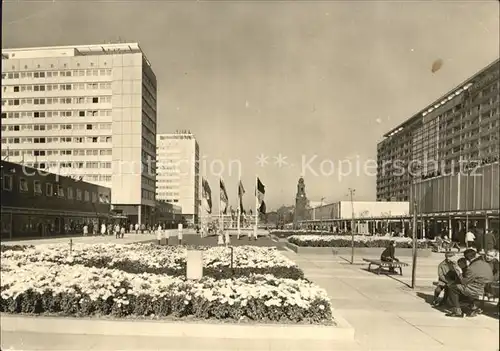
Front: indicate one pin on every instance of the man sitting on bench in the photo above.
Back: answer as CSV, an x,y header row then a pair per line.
x,y
388,255
477,275
447,273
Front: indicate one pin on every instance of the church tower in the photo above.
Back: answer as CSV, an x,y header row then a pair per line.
x,y
300,203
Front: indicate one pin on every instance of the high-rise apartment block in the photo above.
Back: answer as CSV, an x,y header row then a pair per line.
x,y
178,167
461,127
88,111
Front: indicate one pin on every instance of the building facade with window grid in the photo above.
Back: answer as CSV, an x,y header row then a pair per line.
x,y
460,128
178,166
87,112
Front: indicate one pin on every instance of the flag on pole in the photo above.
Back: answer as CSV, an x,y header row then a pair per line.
x,y
260,194
223,197
262,208
207,196
241,192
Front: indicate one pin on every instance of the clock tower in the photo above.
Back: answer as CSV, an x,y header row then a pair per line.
x,y
300,202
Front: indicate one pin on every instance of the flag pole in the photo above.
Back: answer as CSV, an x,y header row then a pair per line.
x,y
256,207
220,202
239,210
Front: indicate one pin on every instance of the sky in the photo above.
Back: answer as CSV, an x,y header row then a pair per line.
x,y
318,83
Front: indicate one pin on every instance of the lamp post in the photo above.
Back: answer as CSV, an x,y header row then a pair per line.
x,y
321,214
351,195
414,245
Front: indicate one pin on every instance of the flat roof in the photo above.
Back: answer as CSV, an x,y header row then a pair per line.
x,y
91,49
438,101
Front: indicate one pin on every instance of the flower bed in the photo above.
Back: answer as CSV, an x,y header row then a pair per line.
x,y
359,241
288,233
75,290
4,248
169,260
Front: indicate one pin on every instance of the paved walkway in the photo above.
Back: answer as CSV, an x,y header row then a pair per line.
x,y
388,315
129,238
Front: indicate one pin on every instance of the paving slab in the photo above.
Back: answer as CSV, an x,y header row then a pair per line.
x,y
477,339
388,315
45,341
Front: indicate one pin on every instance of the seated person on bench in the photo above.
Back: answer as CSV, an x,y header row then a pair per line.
x,y
491,259
447,273
388,255
471,286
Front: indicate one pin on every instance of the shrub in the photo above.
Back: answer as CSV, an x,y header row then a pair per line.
x,y
49,288
168,260
359,241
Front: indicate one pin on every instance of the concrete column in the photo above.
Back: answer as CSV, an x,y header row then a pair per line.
x,y
139,215
423,228
450,229
486,224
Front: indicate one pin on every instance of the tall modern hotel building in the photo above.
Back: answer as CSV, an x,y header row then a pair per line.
x,y
451,147
88,111
178,180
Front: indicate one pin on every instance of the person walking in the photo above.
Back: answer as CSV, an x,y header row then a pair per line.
x,y
159,234
469,239
103,229
85,230
490,241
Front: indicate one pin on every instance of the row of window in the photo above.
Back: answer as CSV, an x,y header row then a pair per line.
x,y
46,140
55,87
53,190
49,114
38,127
65,73
59,100
148,195
76,152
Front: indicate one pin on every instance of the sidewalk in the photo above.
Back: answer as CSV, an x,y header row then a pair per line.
x,y
388,315
128,239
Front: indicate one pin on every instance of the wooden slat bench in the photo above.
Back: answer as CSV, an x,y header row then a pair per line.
x,y
382,264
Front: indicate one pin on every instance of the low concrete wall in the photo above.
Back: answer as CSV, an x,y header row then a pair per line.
x,y
342,330
358,251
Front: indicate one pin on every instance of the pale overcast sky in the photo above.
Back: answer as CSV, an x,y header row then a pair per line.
x,y
296,78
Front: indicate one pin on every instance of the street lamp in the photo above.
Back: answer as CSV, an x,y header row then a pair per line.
x,y
351,195
321,214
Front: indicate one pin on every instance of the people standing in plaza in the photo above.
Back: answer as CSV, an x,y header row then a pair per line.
x,y
103,229
447,274
469,239
490,241
85,230
479,242
117,230
159,234
122,231
137,228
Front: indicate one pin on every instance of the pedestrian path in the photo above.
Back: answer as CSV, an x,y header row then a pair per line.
x,y
128,239
388,315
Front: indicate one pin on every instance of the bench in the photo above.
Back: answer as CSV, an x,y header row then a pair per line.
x,y
383,264
491,294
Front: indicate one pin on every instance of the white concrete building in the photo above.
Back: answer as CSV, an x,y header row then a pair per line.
x,y
87,111
178,167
